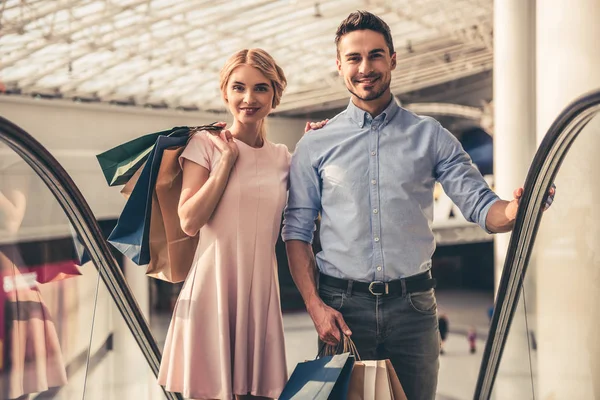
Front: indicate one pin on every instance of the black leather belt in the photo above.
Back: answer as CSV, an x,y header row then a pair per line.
x,y
416,283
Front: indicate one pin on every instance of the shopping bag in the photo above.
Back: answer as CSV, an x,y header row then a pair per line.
x,y
121,162
370,379
128,188
397,389
130,235
374,380
171,250
325,378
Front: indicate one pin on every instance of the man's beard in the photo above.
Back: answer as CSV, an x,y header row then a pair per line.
x,y
373,96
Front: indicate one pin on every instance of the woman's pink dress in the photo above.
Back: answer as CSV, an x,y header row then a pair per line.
x,y
226,334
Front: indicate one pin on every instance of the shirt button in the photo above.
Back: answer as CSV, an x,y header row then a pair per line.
x,y
374,182
379,268
375,211
373,153
376,238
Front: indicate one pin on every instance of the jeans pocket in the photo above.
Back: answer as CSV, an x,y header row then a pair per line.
x,y
423,302
332,297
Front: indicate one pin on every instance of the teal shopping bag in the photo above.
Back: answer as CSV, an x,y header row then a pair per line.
x,y
120,163
131,235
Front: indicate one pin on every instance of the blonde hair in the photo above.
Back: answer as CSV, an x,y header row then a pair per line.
x,y
261,60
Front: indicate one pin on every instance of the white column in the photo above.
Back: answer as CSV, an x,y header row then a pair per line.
x,y
568,245
514,147
514,102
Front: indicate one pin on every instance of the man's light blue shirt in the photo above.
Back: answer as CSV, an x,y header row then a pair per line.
x,y
372,181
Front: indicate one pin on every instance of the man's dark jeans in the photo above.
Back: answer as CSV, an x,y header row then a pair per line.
x,y
403,329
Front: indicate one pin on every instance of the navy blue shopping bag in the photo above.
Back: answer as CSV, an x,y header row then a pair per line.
x,y
321,379
131,234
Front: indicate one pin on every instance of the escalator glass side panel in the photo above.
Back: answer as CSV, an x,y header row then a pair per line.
x,y
578,119
100,338
47,302
517,371
118,369
552,348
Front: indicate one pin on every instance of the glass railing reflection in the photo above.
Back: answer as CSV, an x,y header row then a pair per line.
x,y
46,300
61,334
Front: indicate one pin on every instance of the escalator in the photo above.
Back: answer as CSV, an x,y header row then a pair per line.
x,y
69,332
543,339
66,332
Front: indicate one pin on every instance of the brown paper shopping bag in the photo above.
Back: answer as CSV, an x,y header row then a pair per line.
x,y
374,380
171,250
128,188
370,379
395,382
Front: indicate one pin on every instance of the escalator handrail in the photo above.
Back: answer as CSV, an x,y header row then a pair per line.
x,y
81,217
544,168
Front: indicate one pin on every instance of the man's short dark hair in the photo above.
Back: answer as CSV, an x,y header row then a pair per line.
x,y
361,20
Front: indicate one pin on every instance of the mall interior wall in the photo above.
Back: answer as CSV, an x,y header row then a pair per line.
x,y
75,132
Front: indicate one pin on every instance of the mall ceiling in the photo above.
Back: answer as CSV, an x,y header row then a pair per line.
x,y
168,53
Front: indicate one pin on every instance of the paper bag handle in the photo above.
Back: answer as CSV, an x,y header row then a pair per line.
x,y
346,345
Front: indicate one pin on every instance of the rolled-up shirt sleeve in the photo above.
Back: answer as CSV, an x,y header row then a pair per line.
x,y
304,199
461,180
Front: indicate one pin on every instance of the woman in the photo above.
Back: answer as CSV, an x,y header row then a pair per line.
x,y
226,335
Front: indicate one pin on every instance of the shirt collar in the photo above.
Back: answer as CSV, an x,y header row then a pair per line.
x,y
360,116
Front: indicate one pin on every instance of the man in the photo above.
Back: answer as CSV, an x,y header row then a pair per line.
x,y
370,173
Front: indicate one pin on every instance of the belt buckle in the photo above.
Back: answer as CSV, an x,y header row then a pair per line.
x,y
386,288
